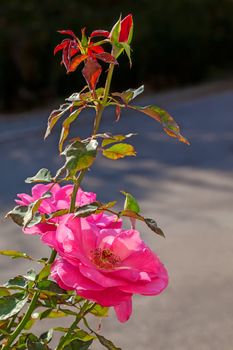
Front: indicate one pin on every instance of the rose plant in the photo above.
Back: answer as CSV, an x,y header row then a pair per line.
x,y
95,262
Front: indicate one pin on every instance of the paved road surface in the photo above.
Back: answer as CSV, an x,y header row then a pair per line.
x,y
188,190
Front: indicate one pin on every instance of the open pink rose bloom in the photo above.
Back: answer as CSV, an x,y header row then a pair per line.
x,y
97,258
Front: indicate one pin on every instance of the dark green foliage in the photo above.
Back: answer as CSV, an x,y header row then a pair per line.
x,y
178,42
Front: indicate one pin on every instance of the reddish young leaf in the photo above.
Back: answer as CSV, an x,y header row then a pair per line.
x,y
100,32
61,46
93,49
68,31
91,72
126,25
70,48
65,57
75,62
73,49
106,57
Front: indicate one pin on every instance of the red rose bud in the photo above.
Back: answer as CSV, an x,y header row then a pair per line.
x,y
126,29
122,31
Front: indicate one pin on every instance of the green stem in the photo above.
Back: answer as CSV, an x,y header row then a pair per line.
x,y
100,109
108,83
66,336
75,189
11,323
23,322
52,256
78,318
101,106
28,313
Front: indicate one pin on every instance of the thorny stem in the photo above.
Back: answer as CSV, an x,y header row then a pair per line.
x,y
78,318
28,313
52,256
75,189
23,322
100,107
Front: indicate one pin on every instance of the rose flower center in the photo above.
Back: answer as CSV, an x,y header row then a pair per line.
x,y
105,258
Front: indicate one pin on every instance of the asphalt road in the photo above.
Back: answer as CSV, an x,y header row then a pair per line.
x,y
187,189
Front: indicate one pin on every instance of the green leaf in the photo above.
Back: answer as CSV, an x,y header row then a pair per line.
x,y
115,138
115,32
79,335
31,275
44,273
68,312
82,98
46,337
119,150
75,97
31,216
129,94
19,212
15,254
24,215
87,209
106,343
66,127
57,213
3,292
27,341
50,313
78,345
50,287
169,124
55,116
31,345
154,227
79,155
130,202
127,51
18,281
21,343
43,175
3,331
99,311
10,305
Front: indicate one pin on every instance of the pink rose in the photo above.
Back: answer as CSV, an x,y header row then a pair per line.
x,y
105,265
60,199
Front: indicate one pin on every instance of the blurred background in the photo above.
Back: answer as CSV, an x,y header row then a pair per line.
x,y
175,43
183,52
